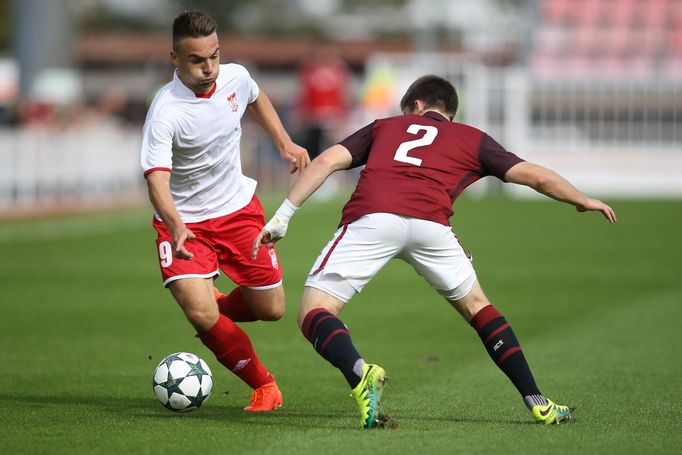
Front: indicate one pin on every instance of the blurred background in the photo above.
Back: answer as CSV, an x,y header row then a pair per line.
x,y
591,88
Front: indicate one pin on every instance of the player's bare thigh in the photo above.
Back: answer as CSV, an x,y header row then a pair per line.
x,y
316,298
195,297
266,304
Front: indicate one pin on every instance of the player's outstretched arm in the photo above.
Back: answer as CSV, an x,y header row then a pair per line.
x,y
162,200
266,115
551,184
331,160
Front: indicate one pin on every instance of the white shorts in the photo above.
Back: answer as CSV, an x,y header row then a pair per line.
x,y
359,250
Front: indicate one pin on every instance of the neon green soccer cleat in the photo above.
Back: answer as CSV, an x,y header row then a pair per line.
x,y
368,396
552,413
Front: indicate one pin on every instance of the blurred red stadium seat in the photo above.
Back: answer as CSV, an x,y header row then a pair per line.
x,y
556,10
613,38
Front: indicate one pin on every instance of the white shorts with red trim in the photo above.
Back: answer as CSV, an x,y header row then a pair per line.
x,y
360,249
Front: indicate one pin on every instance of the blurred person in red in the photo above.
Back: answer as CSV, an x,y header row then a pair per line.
x,y
207,212
324,101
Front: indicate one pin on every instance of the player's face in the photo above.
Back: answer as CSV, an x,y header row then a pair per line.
x,y
198,62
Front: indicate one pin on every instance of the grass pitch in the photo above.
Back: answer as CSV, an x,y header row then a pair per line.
x,y
597,308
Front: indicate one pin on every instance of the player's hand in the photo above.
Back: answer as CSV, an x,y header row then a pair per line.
x,y
599,206
180,236
296,155
275,230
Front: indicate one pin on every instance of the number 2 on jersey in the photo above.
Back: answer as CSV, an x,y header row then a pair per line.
x,y
428,138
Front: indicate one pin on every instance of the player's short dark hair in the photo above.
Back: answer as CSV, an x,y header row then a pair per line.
x,y
193,24
434,91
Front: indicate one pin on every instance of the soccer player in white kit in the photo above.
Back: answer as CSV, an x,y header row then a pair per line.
x,y
416,165
207,213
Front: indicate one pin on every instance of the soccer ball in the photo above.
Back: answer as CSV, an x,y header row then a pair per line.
x,y
182,382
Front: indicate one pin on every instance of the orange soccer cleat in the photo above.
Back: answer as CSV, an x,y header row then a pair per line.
x,y
265,398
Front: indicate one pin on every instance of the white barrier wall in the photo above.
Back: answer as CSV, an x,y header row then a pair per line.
x,y
43,168
53,166
610,139
615,138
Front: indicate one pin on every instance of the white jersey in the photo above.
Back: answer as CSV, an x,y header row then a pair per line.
x,y
196,138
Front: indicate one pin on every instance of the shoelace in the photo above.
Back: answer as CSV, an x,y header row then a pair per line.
x,y
258,393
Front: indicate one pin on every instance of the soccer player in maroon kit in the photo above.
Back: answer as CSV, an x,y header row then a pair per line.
x,y
416,165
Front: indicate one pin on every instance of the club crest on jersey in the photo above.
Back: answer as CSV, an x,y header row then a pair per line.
x,y
273,258
232,99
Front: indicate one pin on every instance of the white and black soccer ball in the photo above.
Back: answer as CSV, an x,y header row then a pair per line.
x,y
182,382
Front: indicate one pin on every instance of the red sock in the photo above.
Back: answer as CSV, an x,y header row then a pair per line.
x,y
233,306
232,348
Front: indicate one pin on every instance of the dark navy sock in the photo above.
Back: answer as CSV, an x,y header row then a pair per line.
x,y
330,338
503,347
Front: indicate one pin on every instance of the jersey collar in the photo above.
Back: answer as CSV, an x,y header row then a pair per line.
x,y
185,91
435,116
209,94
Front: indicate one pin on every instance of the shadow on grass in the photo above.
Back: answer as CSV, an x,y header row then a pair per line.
x,y
336,420
115,404
149,408
284,417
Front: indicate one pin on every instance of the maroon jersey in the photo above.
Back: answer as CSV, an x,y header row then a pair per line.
x,y
417,165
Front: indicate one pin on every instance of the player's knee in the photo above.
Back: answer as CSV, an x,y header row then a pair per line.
x,y
472,307
300,317
270,308
201,318
272,313
470,303
302,314
315,299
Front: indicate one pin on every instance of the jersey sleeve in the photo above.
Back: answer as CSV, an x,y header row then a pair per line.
x,y
157,147
359,145
251,87
495,159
